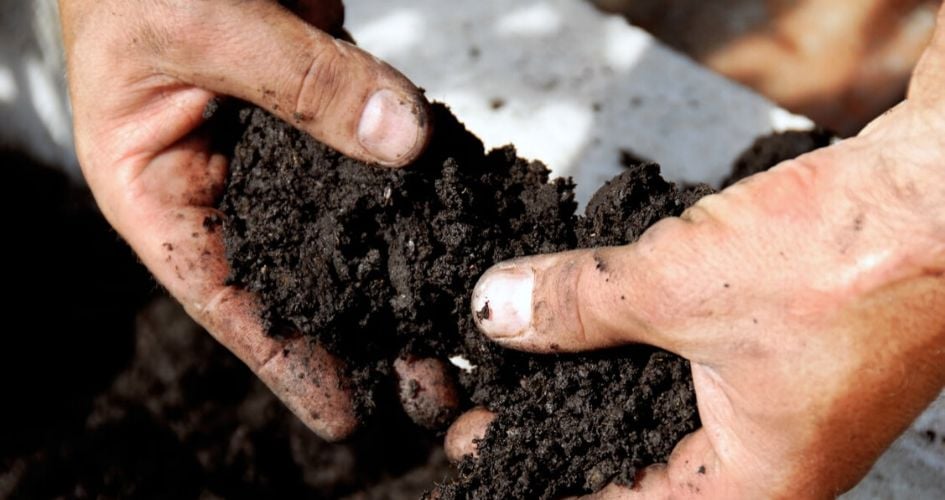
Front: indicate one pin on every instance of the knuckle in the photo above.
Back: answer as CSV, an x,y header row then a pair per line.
x,y
671,259
557,299
668,229
700,212
320,85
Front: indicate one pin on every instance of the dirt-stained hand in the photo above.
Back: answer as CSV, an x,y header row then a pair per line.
x,y
141,74
809,300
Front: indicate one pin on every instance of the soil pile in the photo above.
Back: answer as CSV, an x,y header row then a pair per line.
x,y
380,263
109,399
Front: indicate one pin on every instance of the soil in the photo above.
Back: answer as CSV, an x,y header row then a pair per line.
x,y
379,263
769,150
112,391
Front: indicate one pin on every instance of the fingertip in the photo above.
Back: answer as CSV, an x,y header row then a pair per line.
x,y
565,302
532,303
502,300
313,385
394,127
462,435
649,483
427,391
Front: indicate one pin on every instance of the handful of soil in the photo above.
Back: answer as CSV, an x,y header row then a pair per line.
x,y
377,264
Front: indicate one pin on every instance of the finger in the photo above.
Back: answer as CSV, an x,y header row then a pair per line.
x,y
693,471
427,391
673,287
462,435
166,216
261,52
649,484
589,299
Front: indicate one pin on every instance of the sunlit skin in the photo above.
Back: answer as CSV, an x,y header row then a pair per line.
x,y
809,300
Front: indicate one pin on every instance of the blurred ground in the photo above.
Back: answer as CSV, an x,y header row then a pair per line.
x,y
839,62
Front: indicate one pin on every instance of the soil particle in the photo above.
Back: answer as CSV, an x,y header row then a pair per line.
x,y
630,158
213,105
212,222
378,264
485,313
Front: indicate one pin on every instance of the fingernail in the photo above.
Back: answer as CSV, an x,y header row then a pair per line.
x,y
389,127
502,301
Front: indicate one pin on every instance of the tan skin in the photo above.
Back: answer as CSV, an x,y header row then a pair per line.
x,y
808,298
141,74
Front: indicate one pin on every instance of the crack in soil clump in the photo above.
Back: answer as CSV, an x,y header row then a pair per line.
x,y
379,263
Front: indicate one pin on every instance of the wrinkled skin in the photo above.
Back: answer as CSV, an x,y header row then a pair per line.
x,y
141,74
808,298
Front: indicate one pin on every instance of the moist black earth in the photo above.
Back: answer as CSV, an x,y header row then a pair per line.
x,y
379,263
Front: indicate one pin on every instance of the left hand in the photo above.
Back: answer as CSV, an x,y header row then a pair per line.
x,y
141,74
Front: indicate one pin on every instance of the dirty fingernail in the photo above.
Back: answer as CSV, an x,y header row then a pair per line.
x,y
389,127
462,435
502,301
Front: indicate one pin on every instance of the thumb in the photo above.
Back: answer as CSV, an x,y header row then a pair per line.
x,y
260,52
653,291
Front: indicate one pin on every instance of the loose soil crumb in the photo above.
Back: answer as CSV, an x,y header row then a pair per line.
x,y
378,263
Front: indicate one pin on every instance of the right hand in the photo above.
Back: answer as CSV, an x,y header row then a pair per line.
x,y
809,300
141,74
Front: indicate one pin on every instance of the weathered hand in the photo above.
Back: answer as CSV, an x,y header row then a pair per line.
x,y
808,299
141,74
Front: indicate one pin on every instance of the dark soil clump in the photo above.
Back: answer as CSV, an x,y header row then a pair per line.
x,y
379,263
769,150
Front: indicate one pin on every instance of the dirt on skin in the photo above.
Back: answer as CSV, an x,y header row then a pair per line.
x,y
378,263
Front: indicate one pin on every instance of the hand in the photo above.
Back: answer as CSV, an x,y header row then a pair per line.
x,y
808,299
141,75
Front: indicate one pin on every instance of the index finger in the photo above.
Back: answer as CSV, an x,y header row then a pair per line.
x,y
169,219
